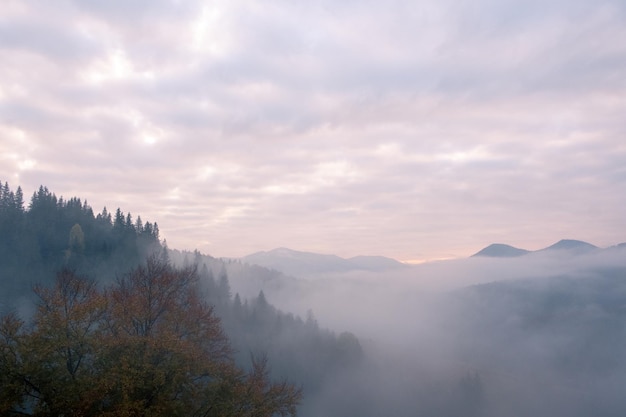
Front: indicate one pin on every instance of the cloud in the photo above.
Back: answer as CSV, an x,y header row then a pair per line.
x,y
400,129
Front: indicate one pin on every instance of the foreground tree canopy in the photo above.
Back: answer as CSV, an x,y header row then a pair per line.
x,y
146,346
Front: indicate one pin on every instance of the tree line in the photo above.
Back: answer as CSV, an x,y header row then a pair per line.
x,y
53,232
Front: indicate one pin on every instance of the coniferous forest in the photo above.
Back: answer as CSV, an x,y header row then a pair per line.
x,y
40,237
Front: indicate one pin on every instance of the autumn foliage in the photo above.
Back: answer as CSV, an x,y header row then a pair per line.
x,y
147,346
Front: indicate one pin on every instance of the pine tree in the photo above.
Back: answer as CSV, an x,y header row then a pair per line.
x,y
223,286
6,197
139,225
105,216
118,222
129,222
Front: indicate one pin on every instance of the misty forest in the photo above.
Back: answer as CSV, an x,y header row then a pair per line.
x,y
99,317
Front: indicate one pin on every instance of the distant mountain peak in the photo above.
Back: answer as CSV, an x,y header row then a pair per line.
x,y
500,250
297,263
375,263
572,245
283,252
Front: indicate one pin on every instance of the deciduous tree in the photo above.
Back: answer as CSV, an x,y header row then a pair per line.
x,y
147,346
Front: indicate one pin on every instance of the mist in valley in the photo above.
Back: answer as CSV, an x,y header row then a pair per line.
x,y
539,334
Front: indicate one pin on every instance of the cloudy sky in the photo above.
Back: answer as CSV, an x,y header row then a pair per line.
x,y
411,129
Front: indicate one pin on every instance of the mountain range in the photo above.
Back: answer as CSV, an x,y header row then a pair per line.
x,y
296,263
577,247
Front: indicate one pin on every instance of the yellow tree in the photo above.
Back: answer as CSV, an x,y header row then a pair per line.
x,y
148,346
50,364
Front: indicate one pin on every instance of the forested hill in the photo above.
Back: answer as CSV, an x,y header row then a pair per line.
x,y
52,232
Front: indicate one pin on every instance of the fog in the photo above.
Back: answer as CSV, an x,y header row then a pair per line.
x,y
540,334
365,301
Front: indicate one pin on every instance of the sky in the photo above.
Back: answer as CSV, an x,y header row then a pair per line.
x,y
418,130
